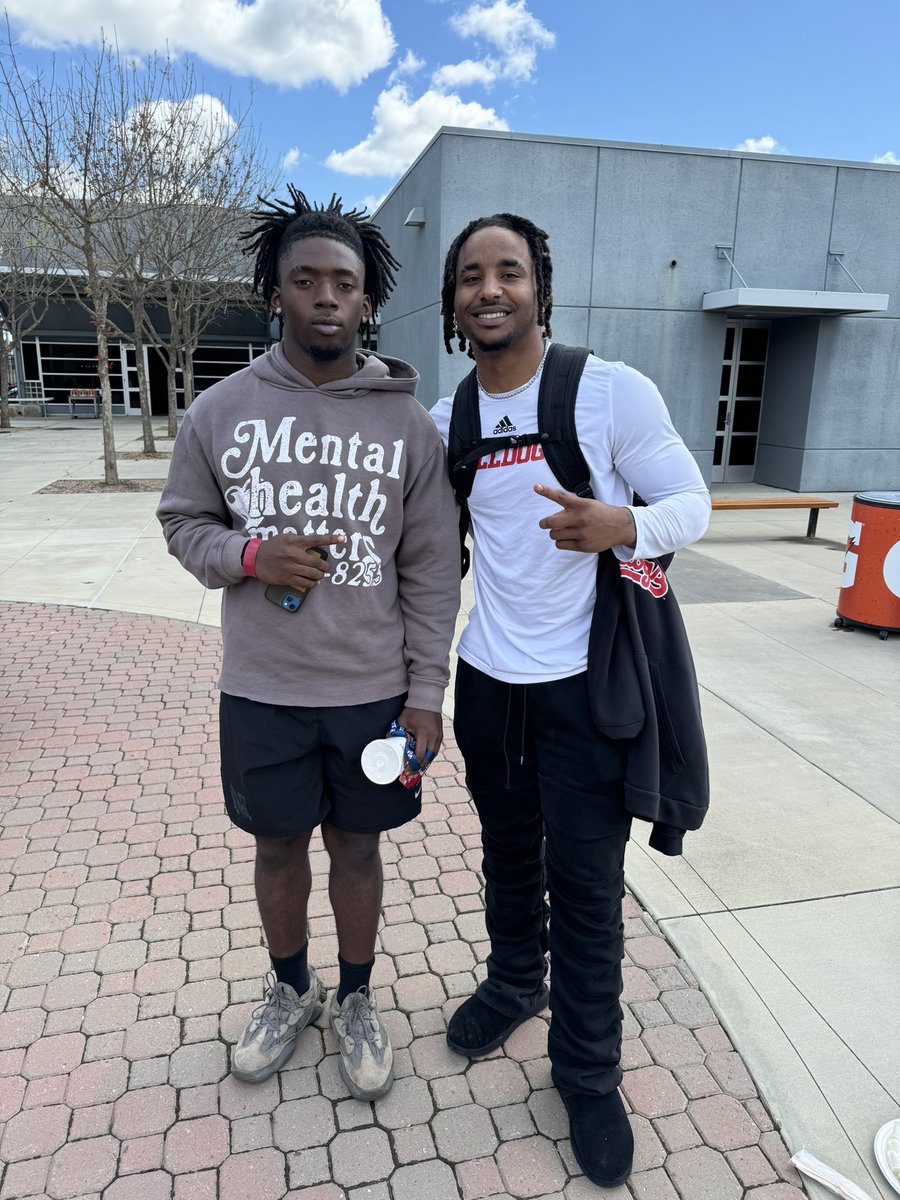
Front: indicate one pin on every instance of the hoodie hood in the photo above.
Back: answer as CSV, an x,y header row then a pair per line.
x,y
377,373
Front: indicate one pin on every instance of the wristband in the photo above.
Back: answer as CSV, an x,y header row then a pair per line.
x,y
248,556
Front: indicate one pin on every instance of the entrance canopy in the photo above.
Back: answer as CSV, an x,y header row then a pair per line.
x,y
781,302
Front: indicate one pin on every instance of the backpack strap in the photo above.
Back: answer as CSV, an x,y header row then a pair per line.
x,y
463,436
560,378
462,439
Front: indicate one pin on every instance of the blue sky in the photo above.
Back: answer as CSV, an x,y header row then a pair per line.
x,y
346,92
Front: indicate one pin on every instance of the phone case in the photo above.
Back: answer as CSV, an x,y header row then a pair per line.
x,y
290,598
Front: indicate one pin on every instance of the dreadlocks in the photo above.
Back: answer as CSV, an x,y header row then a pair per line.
x,y
536,240
281,223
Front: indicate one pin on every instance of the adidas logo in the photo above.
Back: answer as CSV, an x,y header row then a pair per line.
x,y
504,425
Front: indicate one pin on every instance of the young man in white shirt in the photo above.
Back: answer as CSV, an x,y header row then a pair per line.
x,y
548,787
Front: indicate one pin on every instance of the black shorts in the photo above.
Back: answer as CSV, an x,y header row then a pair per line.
x,y
286,770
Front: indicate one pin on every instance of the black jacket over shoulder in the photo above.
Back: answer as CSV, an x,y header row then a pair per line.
x,y
643,689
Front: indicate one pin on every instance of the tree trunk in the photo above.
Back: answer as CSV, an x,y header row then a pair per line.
x,y
172,386
110,467
4,387
187,375
144,388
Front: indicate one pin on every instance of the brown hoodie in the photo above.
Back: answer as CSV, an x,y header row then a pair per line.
x,y
267,452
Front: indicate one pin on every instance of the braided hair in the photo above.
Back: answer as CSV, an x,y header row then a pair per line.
x,y
278,224
536,240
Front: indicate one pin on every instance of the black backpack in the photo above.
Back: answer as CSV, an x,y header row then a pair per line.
x,y
561,375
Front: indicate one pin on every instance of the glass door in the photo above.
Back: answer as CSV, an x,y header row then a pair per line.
x,y
740,401
129,375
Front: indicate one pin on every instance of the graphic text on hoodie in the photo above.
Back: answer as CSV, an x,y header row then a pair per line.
x,y
316,507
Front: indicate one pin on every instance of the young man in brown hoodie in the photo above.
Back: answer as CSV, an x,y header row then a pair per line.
x,y
318,445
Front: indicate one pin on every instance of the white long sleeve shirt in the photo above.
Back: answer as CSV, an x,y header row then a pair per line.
x,y
533,602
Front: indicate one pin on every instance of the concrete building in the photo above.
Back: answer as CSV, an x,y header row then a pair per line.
x,y
761,293
59,361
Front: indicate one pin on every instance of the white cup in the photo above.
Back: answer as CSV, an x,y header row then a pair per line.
x,y
383,760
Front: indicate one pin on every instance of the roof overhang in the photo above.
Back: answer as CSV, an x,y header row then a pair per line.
x,y
780,302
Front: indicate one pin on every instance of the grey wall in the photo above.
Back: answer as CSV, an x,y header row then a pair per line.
x,y
618,216
853,436
790,369
407,338
866,226
411,320
783,223
653,208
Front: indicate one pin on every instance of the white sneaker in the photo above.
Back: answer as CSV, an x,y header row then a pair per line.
x,y
367,1060
268,1041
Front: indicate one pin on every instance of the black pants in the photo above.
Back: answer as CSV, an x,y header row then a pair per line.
x,y
549,791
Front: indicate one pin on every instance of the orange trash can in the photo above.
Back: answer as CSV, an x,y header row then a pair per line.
x,y
870,584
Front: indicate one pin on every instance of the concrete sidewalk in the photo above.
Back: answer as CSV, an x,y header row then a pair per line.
x,y
784,906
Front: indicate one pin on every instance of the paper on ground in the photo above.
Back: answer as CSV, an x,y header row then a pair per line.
x,y
809,1165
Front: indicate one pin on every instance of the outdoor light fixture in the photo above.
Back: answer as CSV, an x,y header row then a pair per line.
x,y
416,218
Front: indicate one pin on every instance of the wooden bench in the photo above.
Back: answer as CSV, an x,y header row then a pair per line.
x,y
743,503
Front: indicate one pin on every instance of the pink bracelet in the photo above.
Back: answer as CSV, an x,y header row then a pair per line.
x,y
248,557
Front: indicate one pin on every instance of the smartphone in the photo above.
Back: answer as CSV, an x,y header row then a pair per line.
x,y
290,598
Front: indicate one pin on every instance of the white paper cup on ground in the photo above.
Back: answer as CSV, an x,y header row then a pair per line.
x,y
383,760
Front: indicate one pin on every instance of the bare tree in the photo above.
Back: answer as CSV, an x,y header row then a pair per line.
x,y
203,170
114,155
64,149
26,288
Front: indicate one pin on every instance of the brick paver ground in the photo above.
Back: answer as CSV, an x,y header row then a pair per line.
x,y
131,956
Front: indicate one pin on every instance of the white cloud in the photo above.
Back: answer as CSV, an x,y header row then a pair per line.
x,y
465,73
370,203
508,25
403,127
889,158
288,42
409,64
203,118
291,158
763,145
192,133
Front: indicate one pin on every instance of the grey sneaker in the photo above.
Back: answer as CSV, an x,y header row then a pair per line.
x,y
367,1060
268,1041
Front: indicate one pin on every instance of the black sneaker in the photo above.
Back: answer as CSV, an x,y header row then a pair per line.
x,y
476,1029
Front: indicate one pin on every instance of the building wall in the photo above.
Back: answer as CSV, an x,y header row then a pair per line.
x,y
411,328
633,233
853,436
790,371
224,347
782,224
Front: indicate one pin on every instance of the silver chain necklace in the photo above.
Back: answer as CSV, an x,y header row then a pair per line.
x,y
523,387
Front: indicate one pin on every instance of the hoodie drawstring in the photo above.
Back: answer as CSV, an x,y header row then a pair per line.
x,y
509,701
505,731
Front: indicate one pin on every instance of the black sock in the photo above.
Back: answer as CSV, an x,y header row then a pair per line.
x,y
353,977
293,971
